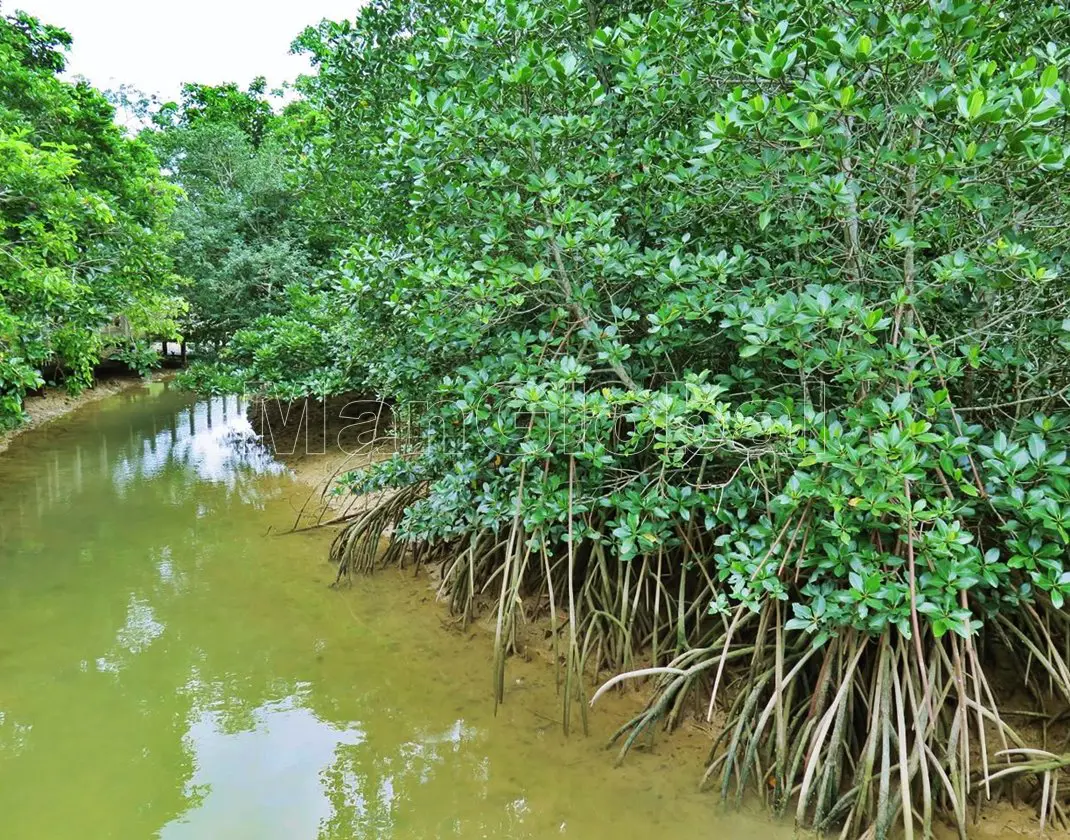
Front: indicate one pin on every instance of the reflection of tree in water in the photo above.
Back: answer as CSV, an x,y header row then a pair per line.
x,y
386,793
107,556
148,437
211,440
256,773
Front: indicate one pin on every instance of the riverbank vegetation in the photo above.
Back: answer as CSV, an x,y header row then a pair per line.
x,y
242,240
85,243
736,334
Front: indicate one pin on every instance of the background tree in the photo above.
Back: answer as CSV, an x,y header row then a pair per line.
x,y
243,238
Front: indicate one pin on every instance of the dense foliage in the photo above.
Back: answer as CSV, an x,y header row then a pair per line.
x,y
243,241
740,331
84,240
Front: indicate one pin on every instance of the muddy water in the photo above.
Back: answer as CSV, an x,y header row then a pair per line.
x,y
171,668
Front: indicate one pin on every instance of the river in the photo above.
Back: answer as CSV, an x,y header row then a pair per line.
x,y
172,666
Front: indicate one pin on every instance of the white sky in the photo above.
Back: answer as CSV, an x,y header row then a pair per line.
x,y
155,45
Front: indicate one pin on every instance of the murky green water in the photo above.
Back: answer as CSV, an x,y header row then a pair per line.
x,y
169,668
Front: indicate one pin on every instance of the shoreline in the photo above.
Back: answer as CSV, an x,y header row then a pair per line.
x,y
532,693
55,402
531,685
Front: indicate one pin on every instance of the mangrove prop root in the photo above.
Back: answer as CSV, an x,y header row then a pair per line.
x,y
880,740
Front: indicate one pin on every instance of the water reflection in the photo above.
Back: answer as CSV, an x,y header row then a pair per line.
x,y
129,439
113,526
211,440
370,794
262,781
139,631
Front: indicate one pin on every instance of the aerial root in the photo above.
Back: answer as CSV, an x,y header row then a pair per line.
x,y
859,735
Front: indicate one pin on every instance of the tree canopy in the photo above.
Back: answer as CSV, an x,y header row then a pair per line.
x,y
84,236
243,240
819,256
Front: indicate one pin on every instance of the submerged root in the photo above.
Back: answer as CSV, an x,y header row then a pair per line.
x,y
615,614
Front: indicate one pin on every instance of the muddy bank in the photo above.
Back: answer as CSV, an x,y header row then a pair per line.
x,y
56,402
531,678
533,694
